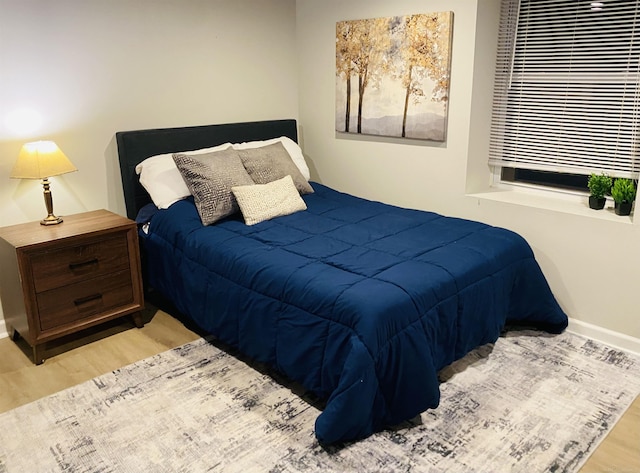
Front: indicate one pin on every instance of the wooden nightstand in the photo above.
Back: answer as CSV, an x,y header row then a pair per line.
x,y
56,280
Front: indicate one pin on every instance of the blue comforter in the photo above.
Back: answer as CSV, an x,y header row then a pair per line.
x,y
361,302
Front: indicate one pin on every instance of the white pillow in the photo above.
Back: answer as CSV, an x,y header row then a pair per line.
x,y
291,146
260,202
161,178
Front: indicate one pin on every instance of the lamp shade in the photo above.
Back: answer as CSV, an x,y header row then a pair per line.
x,y
39,160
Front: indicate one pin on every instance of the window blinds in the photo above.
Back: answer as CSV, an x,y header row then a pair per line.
x,y
566,87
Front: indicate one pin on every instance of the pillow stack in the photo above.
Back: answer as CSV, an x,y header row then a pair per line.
x,y
262,179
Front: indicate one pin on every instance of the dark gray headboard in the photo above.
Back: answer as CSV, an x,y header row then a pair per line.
x,y
136,146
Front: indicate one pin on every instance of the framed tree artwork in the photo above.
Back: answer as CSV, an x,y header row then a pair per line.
x,y
392,75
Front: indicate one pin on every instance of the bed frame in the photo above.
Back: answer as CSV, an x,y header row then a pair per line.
x,y
137,145
370,346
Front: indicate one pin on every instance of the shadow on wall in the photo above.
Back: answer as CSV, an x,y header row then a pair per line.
x,y
115,194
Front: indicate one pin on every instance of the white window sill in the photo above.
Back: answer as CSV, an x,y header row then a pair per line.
x,y
569,203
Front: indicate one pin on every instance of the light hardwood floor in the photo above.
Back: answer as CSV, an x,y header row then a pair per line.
x,y
109,347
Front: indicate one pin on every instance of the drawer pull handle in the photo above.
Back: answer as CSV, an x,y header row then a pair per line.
x,y
83,264
84,301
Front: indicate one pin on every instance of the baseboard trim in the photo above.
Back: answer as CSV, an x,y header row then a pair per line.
x,y
604,335
609,337
3,329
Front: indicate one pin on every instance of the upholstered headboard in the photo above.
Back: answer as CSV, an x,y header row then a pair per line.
x,y
135,146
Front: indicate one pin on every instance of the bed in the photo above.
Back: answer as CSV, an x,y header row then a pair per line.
x,y
360,302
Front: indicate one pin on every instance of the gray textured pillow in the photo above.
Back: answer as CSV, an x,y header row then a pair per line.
x,y
272,162
210,178
261,202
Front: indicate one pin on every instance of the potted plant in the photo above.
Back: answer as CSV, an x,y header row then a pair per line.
x,y
623,193
598,185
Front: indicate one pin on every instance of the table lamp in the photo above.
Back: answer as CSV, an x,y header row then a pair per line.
x,y
41,160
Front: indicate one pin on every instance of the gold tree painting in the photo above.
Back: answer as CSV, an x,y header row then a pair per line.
x,y
392,75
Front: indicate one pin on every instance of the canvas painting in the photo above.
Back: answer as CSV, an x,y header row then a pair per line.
x,y
392,75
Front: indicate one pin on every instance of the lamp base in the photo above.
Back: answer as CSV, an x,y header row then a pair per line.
x,y
51,220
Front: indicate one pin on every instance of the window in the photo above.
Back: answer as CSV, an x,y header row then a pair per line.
x,y
566,99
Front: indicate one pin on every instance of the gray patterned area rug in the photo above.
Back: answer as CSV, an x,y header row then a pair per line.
x,y
530,403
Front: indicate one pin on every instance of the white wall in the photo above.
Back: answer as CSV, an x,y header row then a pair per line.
x,y
92,68
590,262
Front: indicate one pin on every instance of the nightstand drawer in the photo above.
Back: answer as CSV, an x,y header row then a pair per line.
x,y
78,301
68,265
